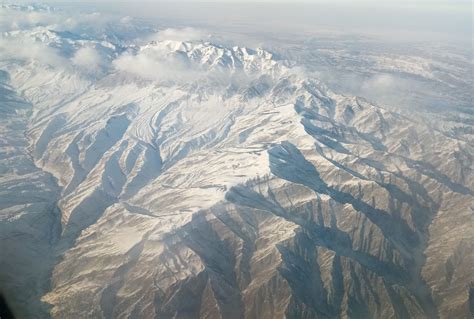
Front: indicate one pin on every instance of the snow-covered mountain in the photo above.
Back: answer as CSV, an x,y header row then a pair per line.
x,y
185,179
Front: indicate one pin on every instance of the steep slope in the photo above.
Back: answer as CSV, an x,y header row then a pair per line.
x,y
193,180
30,218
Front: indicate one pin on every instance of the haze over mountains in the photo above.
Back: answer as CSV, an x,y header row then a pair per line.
x,y
154,172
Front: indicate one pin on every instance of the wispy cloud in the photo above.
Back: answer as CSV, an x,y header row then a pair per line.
x,y
379,83
26,49
155,67
184,34
88,58
18,18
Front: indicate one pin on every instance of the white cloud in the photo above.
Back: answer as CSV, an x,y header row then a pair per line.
x,y
26,49
170,67
126,20
379,83
88,58
184,34
29,33
157,67
18,17
11,19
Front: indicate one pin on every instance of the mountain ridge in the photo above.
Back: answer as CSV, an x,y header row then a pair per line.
x,y
254,194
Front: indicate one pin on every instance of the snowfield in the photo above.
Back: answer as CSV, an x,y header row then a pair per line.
x,y
181,178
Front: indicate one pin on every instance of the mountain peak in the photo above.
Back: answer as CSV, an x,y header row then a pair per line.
x,y
215,56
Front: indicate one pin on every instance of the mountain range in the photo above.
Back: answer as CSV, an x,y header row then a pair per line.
x,y
188,179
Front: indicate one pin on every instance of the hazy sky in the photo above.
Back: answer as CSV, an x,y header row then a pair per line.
x,y
394,19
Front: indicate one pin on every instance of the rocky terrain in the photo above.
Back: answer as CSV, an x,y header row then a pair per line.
x,y
187,179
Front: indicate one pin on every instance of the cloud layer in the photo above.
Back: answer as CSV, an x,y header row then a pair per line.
x,y
184,34
88,58
26,49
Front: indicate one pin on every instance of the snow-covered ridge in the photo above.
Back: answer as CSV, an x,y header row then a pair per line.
x,y
67,37
199,61
213,55
185,178
163,61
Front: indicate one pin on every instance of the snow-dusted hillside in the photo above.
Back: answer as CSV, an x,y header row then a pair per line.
x,y
176,178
